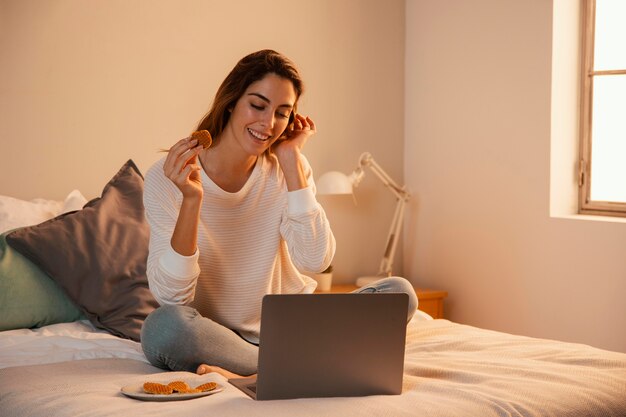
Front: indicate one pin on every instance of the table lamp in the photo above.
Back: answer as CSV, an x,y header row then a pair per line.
x,y
335,182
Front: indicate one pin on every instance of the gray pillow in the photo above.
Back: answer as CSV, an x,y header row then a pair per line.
x,y
98,255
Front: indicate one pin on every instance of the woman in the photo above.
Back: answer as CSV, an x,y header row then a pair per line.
x,y
233,222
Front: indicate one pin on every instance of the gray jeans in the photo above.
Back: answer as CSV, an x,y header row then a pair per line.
x,y
178,338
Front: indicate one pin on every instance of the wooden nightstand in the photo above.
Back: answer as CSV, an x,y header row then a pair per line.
x,y
430,301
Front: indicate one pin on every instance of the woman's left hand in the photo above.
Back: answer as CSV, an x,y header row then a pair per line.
x,y
290,145
287,150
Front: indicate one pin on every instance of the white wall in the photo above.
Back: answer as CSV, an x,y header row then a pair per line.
x,y
478,141
85,85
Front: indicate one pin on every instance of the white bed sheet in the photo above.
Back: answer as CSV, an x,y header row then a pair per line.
x,y
450,370
64,342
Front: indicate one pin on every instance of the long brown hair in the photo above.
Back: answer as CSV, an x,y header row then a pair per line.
x,y
248,70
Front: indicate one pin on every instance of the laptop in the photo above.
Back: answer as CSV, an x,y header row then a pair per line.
x,y
329,345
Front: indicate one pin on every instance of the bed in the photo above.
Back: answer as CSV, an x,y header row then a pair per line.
x,y
73,295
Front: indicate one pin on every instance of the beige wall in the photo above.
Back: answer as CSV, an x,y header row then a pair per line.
x,y
478,141
85,85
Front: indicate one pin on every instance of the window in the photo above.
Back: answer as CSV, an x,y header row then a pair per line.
x,y
602,166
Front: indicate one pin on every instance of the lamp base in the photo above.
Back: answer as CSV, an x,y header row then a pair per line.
x,y
367,280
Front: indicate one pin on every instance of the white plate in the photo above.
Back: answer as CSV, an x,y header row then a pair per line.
x,y
136,391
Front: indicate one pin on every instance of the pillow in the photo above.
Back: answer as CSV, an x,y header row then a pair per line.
x,y
28,297
74,201
98,255
16,213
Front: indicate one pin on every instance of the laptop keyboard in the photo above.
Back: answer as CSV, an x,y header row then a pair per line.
x,y
252,387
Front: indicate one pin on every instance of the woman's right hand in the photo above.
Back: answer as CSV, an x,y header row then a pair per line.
x,y
182,167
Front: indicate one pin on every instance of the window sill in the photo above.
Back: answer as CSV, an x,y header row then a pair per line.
x,y
589,217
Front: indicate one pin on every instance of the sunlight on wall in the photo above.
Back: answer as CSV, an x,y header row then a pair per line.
x,y
565,110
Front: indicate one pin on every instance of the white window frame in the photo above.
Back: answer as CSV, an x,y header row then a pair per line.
x,y
585,204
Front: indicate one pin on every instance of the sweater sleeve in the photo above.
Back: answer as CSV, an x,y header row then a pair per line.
x,y
306,230
172,277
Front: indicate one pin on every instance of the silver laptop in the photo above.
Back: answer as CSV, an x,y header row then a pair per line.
x,y
329,345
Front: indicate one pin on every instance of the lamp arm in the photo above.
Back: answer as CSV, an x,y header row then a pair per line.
x,y
367,160
392,239
401,194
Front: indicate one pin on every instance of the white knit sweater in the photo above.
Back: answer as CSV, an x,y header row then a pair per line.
x,y
259,240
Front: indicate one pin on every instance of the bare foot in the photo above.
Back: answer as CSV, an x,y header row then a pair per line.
x,y
205,369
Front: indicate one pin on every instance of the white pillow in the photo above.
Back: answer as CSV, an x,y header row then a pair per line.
x,y
16,213
73,202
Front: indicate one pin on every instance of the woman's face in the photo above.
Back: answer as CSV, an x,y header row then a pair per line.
x,y
261,114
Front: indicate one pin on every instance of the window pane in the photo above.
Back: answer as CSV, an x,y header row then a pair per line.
x,y
608,153
610,36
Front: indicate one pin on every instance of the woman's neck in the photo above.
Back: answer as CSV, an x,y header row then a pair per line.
x,y
227,168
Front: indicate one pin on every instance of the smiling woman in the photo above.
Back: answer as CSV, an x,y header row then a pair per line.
x,y
232,221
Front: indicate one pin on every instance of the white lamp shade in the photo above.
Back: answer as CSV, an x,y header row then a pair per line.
x,y
334,182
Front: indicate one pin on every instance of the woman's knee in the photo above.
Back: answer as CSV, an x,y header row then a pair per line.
x,y
400,284
163,330
168,319
396,285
